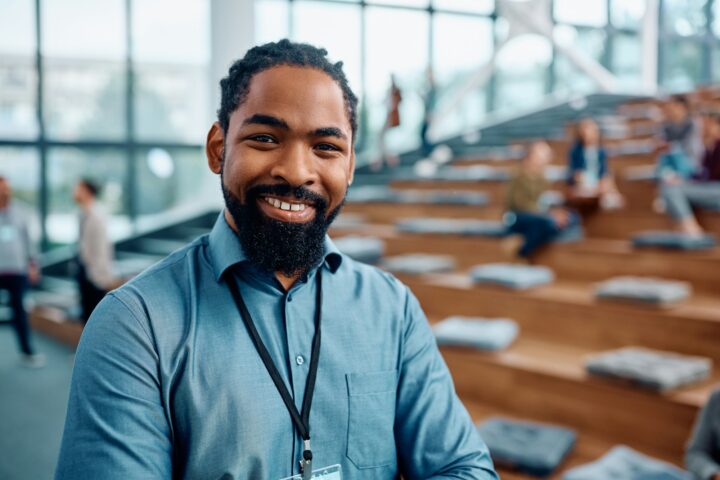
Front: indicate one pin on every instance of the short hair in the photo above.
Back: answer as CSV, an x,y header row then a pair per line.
x,y
92,186
681,99
234,88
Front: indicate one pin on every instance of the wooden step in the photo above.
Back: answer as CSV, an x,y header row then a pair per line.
x,y
567,313
590,260
588,447
546,381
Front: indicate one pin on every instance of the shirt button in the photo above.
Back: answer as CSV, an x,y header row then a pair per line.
x,y
299,360
289,298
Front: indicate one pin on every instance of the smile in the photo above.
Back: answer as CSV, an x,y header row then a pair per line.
x,y
290,207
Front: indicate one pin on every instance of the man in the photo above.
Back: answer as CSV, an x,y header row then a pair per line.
x,y
260,351
95,252
18,266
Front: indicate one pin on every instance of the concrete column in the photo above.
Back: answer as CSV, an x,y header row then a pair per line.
x,y
649,38
232,30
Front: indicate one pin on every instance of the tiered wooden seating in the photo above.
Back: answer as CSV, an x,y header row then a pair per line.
x,y
541,377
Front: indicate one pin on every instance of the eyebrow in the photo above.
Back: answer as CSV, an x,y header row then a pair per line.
x,y
329,132
260,119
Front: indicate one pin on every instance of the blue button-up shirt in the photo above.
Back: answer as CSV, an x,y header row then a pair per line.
x,y
167,382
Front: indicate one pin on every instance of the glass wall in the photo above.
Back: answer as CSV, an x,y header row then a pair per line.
x,y
95,99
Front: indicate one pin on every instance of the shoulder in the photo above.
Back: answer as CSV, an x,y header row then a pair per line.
x,y
371,282
166,283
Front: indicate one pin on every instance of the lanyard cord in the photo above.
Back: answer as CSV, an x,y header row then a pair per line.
x,y
301,420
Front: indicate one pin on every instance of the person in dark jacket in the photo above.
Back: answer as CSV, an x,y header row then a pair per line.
x,y
702,455
589,177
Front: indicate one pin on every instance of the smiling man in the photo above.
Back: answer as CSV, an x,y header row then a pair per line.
x,y
260,351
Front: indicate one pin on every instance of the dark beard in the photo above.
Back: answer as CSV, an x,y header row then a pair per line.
x,y
275,246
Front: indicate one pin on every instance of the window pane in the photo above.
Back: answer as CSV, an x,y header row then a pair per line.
x,y
271,20
171,51
335,28
17,27
684,17
627,13
403,55
84,29
84,100
592,13
66,166
404,3
84,79
173,181
21,166
461,45
682,65
627,60
473,6
18,97
568,77
521,73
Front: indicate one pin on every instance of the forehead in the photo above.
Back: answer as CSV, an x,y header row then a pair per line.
x,y
303,97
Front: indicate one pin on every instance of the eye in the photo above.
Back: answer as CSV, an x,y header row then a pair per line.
x,y
263,138
327,147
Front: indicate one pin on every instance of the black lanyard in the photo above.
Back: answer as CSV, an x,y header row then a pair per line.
x,y
301,420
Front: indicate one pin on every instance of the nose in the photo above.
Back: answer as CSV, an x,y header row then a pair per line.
x,y
295,166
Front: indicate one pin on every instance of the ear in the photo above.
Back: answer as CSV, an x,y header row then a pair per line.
x,y
214,148
351,167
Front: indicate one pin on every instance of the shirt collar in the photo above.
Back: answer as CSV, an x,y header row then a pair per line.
x,y
226,250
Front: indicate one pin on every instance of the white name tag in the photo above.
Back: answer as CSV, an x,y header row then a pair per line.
x,y
8,233
333,472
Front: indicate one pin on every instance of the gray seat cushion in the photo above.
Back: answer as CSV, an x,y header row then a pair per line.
x,y
624,463
363,249
476,173
673,240
652,369
371,194
476,332
530,447
349,221
643,290
443,197
512,275
452,226
417,264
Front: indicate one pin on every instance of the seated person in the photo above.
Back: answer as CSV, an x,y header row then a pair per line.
x,y
589,178
537,225
679,142
702,189
702,454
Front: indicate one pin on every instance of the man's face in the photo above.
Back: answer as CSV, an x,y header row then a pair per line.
x,y
676,111
286,165
79,192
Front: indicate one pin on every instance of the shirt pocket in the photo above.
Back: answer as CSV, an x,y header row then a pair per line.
x,y
371,418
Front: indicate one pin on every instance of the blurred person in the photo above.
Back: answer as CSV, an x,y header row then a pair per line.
x,y
702,188
589,177
211,364
95,251
429,101
680,142
702,453
392,121
18,268
526,215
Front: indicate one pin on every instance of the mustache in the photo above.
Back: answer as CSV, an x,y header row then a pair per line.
x,y
284,190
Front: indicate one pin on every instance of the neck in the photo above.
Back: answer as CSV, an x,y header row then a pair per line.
x,y
87,204
287,281
4,204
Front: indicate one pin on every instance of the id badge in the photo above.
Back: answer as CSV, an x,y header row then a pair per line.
x,y
333,472
8,233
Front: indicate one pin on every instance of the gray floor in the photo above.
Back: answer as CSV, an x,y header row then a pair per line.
x,y
32,408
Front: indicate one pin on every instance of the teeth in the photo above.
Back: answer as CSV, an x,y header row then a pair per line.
x,y
294,207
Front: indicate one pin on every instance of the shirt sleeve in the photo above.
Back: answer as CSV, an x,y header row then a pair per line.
x,y
434,433
98,252
704,441
116,426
